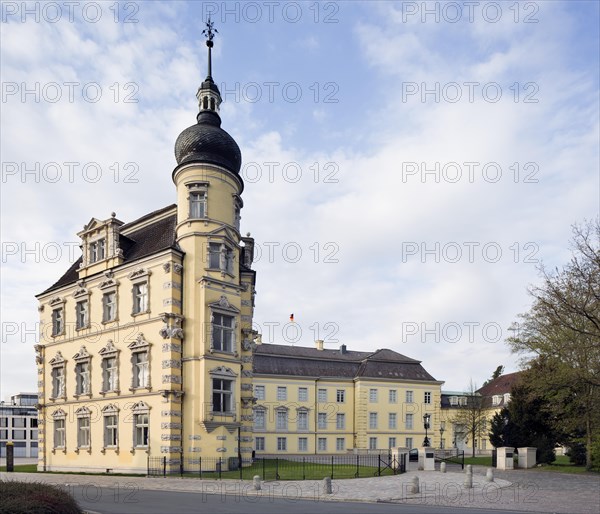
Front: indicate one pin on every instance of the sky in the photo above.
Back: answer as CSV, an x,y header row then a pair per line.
x,y
408,166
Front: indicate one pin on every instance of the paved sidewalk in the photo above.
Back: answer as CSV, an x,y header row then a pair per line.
x,y
524,490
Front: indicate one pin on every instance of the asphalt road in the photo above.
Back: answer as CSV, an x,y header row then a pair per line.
x,y
130,500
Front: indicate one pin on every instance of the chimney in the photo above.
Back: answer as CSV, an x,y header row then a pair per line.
x,y
343,349
319,344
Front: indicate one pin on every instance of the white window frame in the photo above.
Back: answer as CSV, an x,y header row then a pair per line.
x,y
226,395
281,419
322,444
427,397
372,443
393,396
108,353
322,420
302,419
372,395
260,418
340,444
282,444
201,189
409,397
392,421
409,421
59,431
259,392
84,428
82,314
58,374
340,396
141,426
408,443
97,250
259,444
110,430
373,420
141,297
281,393
391,442
137,347
219,342
303,394
58,321
340,421
322,395
109,309
303,444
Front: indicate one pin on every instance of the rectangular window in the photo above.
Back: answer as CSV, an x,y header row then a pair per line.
x,y
322,444
393,396
282,444
392,421
197,205
110,430
109,307
409,396
19,434
303,444
259,392
140,297
82,319
59,433
83,432
229,260
259,444
140,436
214,255
302,421
303,394
282,420
340,421
109,374
33,422
427,397
340,396
82,378
259,419
372,443
140,370
19,422
392,442
372,395
409,442
372,420
409,422
58,382
3,422
222,395
222,332
340,444
4,434
58,322
454,400
322,420
97,251
281,393
322,395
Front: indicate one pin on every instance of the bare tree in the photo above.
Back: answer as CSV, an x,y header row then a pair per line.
x,y
471,415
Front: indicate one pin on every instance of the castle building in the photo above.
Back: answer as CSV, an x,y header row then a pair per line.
x,y
147,347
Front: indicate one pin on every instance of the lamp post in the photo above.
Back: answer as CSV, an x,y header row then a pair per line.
x,y
426,419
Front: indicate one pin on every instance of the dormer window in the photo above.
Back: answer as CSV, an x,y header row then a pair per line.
x,y
97,250
496,399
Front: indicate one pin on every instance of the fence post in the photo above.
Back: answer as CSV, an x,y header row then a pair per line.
x,y
463,460
181,467
148,466
240,465
379,465
164,466
303,468
332,467
357,475
276,468
200,466
263,466
220,467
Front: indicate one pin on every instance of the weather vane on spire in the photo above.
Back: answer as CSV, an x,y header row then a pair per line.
x,y
209,32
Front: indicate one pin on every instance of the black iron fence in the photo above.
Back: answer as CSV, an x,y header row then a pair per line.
x,y
310,467
452,456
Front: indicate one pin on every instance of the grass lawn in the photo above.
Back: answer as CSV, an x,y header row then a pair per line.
x,y
23,468
562,465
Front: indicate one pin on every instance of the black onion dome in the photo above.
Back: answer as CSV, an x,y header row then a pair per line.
x,y
208,142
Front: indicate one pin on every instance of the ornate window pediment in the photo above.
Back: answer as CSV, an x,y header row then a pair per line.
x,y
57,360
81,290
140,343
109,280
82,354
110,409
140,407
56,301
139,273
223,371
224,305
109,349
59,414
83,412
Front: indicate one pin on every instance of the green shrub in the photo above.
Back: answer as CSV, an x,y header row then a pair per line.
x,y
576,454
35,498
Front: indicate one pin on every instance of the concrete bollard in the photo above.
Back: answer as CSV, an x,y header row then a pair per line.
x,y
443,467
489,475
414,486
256,481
327,485
468,483
469,469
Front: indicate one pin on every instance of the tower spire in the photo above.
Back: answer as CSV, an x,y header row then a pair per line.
x,y
209,32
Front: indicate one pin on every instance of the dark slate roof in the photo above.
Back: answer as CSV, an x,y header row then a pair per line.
x,y
499,386
275,359
147,240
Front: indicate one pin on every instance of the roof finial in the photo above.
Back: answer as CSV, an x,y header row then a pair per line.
x,y
209,32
